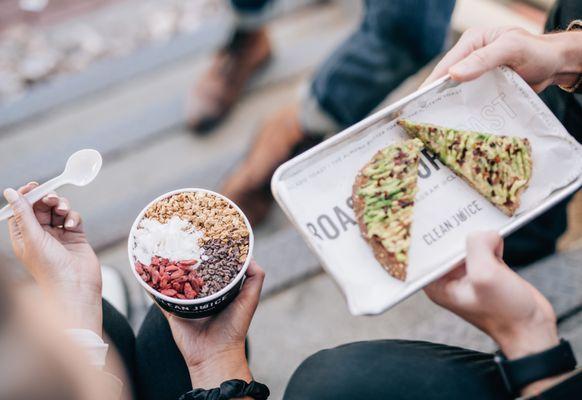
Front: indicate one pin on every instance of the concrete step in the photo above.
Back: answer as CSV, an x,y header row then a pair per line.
x,y
145,108
114,70
149,105
107,73
175,159
138,128
559,278
62,90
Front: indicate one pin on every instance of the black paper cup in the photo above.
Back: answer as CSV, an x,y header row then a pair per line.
x,y
195,308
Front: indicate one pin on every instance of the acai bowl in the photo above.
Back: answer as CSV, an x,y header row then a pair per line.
x,y
190,249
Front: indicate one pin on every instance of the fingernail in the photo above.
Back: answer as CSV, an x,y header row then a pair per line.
x,y
11,195
69,223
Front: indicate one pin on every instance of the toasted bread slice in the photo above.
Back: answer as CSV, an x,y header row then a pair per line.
x,y
383,197
498,167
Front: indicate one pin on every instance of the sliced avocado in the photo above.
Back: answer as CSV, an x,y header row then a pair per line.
x,y
476,155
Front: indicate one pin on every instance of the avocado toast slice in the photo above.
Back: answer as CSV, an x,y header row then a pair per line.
x,y
383,197
498,167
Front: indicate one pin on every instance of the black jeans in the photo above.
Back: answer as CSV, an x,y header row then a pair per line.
x,y
538,238
367,370
394,40
120,337
566,106
162,373
397,369
153,363
388,369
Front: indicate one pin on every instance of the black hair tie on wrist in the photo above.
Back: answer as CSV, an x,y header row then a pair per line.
x,y
232,389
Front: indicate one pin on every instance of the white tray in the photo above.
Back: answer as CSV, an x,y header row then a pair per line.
x,y
313,188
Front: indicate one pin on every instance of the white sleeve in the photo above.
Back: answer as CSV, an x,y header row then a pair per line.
x,y
93,344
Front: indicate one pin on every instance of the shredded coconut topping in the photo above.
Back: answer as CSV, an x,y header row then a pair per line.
x,y
175,240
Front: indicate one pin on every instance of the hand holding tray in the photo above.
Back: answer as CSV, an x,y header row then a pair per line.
x,y
314,188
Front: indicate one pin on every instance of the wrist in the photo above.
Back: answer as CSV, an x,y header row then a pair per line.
x,y
81,304
530,374
527,338
568,55
219,367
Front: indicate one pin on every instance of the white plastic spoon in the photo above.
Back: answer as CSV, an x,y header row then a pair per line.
x,y
82,167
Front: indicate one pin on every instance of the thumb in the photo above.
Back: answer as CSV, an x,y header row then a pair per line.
x,y
483,251
253,283
481,61
24,219
251,291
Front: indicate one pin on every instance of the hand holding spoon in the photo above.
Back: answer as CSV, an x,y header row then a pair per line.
x,y
82,167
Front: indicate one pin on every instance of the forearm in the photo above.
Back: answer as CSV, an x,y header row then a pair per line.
x,y
569,52
221,367
80,305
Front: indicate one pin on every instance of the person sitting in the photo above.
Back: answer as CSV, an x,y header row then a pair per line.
x,y
483,291
395,40
247,51
551,65
48,239
39,359
172,355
